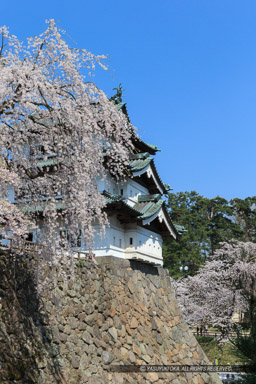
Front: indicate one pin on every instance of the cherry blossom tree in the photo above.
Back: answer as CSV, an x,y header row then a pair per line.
x,y
11,218
225,285
59,135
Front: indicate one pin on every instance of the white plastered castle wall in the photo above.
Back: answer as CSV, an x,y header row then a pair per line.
x,y
127,188
127,241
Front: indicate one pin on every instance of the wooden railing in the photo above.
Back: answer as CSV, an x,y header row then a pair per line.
x,y
31,247
87,255
22,245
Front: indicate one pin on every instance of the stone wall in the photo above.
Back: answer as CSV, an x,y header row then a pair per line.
x,y
79,326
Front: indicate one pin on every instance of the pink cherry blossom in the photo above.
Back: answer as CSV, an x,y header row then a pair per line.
x,y
225,285
59,134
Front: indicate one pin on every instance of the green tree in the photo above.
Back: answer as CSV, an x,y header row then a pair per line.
x,y
221,225
247,347
188,253
245,216
207,223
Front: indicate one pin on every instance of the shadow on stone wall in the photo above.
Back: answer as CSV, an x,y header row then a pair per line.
x,y
25,334
87,322
145,268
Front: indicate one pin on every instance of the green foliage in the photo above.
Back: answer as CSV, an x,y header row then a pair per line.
x,y
249,378
80,263
226,354
184,210
204,339
245,215
207,222
247,346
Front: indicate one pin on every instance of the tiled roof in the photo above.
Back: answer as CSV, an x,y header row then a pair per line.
x,y
139,164
140,161
38,208
113,200
148,208
152,146
145,147
155,197
111,197
165,191
143,209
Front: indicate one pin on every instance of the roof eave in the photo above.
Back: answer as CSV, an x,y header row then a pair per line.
x,y
138,143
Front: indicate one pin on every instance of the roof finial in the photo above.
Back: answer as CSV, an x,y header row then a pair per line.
x,y
117,98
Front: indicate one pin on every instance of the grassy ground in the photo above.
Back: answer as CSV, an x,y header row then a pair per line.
x,y
226,354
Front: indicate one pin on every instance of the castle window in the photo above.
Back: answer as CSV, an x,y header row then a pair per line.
x,y
122,192
63,233
114,240
37,150
131,241
79,239
29,236
63,237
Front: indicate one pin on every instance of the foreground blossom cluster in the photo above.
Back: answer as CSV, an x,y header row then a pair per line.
x,y
225,285
59,135
10,215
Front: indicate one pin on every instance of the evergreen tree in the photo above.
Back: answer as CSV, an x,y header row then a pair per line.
x,y
207,222
186,254
221,225
245,216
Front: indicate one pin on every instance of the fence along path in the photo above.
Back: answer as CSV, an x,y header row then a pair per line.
x,y
220,335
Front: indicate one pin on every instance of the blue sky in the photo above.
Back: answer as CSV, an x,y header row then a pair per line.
x,y
188,68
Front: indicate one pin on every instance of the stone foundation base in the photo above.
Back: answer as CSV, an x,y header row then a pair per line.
x,y
75,329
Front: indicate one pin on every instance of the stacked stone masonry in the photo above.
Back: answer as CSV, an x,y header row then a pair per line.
x,y
75,327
